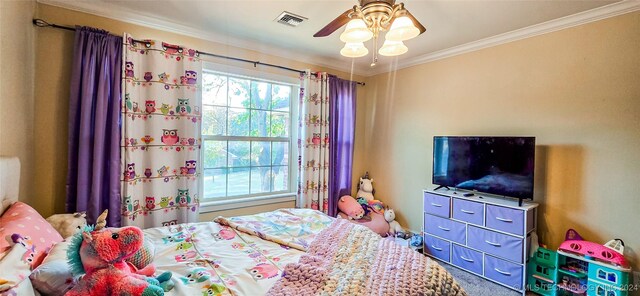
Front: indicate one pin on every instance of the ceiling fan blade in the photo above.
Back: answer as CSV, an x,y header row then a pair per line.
x,y
416,22
334,25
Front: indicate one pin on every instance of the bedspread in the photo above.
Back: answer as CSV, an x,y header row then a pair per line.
x,y
348,259
211,259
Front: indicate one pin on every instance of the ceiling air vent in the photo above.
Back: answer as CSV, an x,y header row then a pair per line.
x,y
290,19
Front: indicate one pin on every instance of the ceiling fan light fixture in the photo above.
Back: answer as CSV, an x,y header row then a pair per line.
x,y
356,31
402,29
354,50
392,48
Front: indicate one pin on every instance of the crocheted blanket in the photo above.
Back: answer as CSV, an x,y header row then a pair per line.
x,y
349,259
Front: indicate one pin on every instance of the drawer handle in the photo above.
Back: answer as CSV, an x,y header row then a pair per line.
x,y
466,259
467,211
493,244
436,248
445,229
504,220
502,272
436,205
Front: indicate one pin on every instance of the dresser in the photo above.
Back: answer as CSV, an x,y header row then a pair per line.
x,y
482,234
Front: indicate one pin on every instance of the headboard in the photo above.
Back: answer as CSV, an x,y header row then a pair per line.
x,y
9,181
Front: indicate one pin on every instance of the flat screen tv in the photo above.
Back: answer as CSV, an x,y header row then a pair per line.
x,y
496,165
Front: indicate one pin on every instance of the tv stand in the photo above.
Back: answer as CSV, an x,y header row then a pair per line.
x,y
441,186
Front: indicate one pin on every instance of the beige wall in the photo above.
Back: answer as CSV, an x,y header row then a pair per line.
x,y
576,90
53,66
17,53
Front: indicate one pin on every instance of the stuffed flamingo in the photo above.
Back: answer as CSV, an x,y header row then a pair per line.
x,y
100,254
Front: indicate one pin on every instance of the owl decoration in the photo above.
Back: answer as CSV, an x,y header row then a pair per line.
x,y
192,76
263,271
184,245
183,198
184,171
176,238
163,171
136,205
147,172
128,69
130,172
165,108
170,223
150,203
185,256
127,102
213,289
163,77
169,137
197,275
150,106
326,138
316,139
147,139
147,76
165,202
183,107
127,207
224,234
191,166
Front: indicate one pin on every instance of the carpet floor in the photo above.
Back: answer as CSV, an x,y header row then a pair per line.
x,y
477,286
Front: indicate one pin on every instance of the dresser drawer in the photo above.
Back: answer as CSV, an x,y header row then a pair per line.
x,y
501,245
466,258
503,271
468,211
445,228
438,248
505,219
437,204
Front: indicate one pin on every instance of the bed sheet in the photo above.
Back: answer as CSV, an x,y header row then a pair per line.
x,y
211,259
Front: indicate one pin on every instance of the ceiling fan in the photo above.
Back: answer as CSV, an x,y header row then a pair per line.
x,y
367,20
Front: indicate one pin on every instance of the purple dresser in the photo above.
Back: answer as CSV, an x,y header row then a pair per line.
x,y
488,236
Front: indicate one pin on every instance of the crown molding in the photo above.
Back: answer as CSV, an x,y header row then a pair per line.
x,y
588,16
117,13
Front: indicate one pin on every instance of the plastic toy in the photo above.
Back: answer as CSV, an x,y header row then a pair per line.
x,y
610,253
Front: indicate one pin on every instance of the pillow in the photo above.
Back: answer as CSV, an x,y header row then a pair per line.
x,y
53,276
14,268
22,224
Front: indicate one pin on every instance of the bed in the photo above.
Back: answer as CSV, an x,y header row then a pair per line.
x,y
284,252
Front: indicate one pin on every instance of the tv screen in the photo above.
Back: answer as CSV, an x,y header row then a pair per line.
x,y
497,165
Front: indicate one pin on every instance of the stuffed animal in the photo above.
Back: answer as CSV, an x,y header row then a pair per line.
x,y
394,226
68,224
365,188
100,253
351,207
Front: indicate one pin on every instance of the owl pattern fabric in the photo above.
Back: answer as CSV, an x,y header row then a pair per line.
x,y
161,133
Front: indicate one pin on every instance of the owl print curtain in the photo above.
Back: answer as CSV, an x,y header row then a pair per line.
x,y
160,133
313,143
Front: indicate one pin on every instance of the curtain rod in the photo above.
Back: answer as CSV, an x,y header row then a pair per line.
x,y
42,23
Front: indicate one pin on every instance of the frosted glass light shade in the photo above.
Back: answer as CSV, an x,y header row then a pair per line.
x,y
402,29
392,48
356,31
354,50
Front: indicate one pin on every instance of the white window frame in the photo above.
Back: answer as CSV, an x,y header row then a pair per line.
x,y
257,199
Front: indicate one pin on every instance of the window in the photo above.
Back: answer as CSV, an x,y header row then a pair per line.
x,y
246,133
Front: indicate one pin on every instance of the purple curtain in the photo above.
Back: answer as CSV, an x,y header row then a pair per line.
x,y
342,121
93,183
